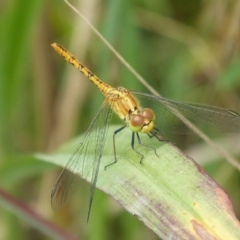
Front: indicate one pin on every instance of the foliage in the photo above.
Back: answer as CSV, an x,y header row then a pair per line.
x,y
187,52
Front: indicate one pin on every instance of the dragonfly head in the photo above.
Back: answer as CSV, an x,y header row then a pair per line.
x,y
142,122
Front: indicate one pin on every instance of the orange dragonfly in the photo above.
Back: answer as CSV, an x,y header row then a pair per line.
x,y
151,120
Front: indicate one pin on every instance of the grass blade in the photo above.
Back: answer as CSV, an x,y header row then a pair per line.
x,y
171,193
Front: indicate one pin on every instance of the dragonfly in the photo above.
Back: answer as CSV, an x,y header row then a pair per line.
x,y
142,113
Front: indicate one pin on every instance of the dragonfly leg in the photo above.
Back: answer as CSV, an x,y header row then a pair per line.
x,y
114,147
140,143
132,145
158,134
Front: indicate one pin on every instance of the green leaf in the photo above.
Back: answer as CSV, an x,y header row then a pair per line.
x,y
170,193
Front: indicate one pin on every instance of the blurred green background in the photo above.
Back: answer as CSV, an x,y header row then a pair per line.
x,y
187,50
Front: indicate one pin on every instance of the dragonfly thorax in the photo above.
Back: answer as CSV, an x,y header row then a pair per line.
x,y
123,103
127,107
143,121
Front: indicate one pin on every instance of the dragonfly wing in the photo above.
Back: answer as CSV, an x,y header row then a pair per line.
x,y
85,160
209,119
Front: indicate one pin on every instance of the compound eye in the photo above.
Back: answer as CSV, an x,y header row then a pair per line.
x,y
136,123
148,114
